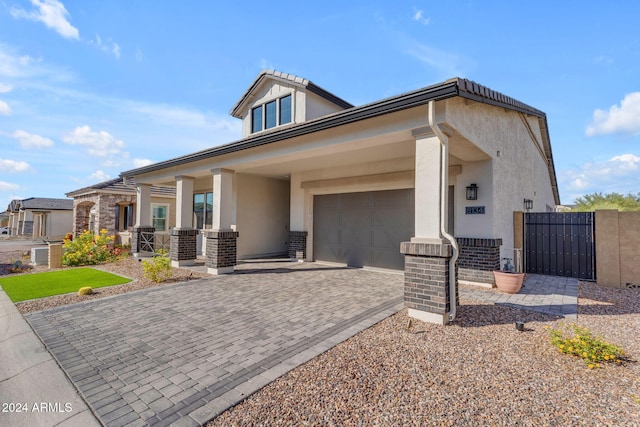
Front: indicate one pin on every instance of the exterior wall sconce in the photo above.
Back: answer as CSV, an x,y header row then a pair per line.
x,y
528,204
472,192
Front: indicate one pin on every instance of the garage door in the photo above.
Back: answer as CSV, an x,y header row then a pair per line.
x,y
363,229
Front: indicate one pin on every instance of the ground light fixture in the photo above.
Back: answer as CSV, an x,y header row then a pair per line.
x,y
472,192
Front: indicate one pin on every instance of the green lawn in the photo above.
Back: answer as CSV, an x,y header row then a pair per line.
x,y
31,286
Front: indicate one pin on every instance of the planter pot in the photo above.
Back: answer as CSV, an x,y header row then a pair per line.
x,y
508,282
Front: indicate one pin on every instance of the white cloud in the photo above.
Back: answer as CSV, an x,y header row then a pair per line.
x,y
419,17
449,64
51,13
99,176
14,166
619,119
7,186
108,46
99,144
266,65
5,110
5,88
618,174
29,140
602,59
138,163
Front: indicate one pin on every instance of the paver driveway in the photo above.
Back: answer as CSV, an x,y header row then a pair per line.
x,y
183,353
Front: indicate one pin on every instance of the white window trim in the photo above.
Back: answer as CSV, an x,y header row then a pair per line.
x,y
168,207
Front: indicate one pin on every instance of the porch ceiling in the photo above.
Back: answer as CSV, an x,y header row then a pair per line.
x,y
371,141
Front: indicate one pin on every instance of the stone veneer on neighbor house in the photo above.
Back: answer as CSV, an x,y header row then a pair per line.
x,y
478,258
426,277
298,245
104,213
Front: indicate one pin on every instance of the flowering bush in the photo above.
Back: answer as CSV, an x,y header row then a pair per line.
x,y
593,350
158,269
87,249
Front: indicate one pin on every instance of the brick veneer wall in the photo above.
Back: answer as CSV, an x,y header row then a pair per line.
x,y
183,244
426,276
478,258
298,244
221,248
135,237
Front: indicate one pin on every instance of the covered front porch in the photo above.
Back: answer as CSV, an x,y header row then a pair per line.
x,y
392,177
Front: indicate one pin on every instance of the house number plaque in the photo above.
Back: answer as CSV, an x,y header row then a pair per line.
x,y
474,210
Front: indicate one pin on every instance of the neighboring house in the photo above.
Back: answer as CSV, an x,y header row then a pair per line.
x,y
39,217
111,205
382,185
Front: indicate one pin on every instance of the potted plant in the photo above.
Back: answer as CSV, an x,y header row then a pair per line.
x,y
507,280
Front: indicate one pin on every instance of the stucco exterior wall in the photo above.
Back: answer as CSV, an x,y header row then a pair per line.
x,y
59,224
262,216
518,167
270,91
617,243
318,107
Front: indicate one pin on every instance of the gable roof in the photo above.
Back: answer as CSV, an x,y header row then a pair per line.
x,y
41,203
121,186
447,89
288,79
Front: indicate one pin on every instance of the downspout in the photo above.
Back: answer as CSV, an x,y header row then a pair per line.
x,y
444,153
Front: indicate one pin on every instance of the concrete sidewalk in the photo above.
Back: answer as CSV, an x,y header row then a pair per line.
x,y
34,390
546,294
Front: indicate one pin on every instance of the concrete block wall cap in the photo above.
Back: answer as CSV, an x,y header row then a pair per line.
x,y
426,249
184,231
221,234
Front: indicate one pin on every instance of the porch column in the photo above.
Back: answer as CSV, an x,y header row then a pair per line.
x,y
221,240
428,254
183,237
142,239
297,233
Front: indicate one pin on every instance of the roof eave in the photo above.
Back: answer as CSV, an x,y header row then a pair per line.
x,y
401,102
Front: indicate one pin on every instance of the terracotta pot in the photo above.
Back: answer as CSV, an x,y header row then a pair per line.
x,y
508,282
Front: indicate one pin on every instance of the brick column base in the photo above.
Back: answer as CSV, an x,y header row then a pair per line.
x,y
426,281
182,250
477,260
221,251
298,245
140,245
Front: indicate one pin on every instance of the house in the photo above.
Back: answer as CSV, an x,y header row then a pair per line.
x,y
111,205
426,182
39,217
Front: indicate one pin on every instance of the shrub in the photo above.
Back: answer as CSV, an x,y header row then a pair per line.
x,y
18,267
592,349
158,269
87,249
87,290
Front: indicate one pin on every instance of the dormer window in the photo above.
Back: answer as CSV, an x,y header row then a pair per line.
x,y
271,114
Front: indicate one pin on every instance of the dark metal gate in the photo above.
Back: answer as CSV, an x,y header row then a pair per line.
x,y
560,244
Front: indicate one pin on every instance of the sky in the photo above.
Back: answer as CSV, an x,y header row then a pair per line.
x,y
91,89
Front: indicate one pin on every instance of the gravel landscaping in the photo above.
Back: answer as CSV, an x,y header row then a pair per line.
x,y
477,371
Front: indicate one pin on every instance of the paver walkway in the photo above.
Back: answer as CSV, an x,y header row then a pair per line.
x,y
546,294
182,354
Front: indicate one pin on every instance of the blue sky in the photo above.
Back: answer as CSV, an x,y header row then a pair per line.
x,y
89,89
